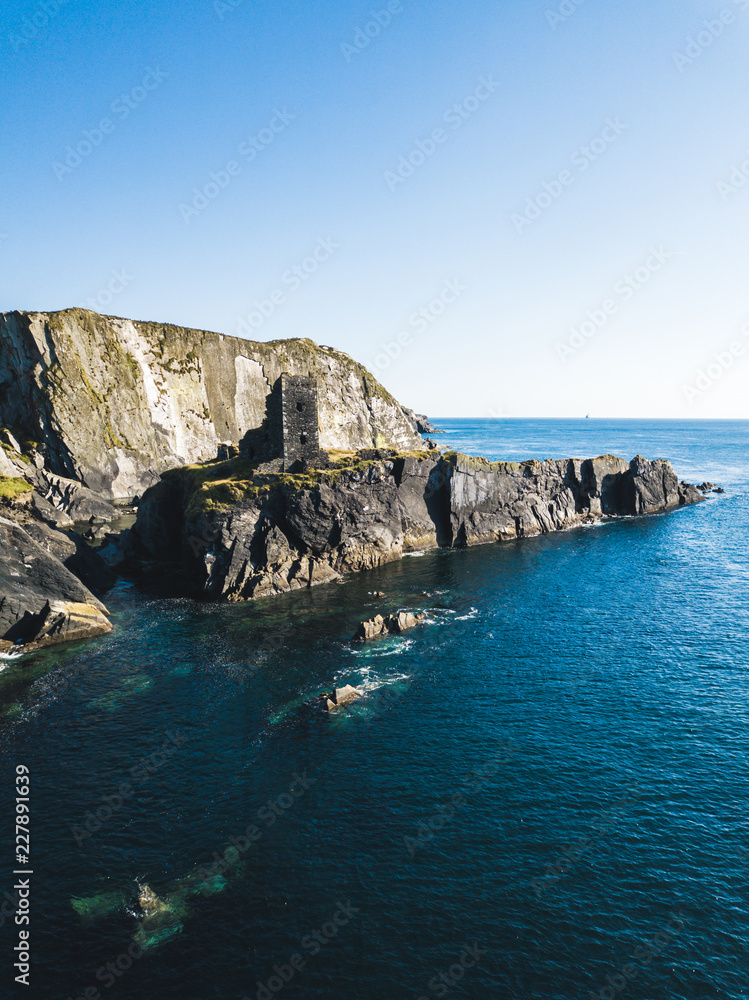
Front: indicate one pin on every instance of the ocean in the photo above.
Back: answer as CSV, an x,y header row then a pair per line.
x,y
544,793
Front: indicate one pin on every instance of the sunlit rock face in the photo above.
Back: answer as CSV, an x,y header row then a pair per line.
x,y
112,402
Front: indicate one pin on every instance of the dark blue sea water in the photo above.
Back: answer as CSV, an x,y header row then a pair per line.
x,y
545,793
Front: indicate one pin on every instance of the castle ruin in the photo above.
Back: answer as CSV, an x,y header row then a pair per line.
x,y
299,419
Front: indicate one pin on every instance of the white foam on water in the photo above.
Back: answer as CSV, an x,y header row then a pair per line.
x,y
471,614
592,524
381,650
10,656
368,686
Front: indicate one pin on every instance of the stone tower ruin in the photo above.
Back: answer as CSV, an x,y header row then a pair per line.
x,y
300,419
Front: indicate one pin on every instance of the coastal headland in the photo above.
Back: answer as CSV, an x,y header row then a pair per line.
x,y
256,468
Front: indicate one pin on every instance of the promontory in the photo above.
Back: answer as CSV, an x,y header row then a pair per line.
x,y
257,468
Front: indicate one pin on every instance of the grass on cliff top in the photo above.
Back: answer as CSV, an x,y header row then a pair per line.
x,y
10,488
216,486
479,464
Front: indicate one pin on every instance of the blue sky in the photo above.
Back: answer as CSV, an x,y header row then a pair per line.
x,y
516,209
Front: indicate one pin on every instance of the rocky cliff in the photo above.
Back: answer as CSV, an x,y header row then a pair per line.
x,y
111,403
42,602
48,577
238,532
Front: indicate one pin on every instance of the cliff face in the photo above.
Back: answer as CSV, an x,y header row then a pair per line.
x,y
240,534
112,402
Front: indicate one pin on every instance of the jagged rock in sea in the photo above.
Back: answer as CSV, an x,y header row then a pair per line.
x,y
239,535
385,625
338,698
41,602
111,403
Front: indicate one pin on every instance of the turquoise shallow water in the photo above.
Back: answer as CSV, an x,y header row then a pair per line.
x,y
557,775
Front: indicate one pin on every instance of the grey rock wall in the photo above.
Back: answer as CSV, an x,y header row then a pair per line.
x,y
261,535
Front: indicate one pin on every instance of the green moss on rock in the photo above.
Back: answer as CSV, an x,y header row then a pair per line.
x,y
10,487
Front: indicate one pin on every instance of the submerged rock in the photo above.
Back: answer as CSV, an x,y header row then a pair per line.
x,y
93,908
159,917
150,903
130,687
161,920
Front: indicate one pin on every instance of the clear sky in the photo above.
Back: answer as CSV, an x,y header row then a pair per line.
x,y
365,174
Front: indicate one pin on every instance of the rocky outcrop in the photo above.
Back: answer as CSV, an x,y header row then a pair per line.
x,y
537,497
239,534
387,625
111,403
48,577
422,423
64,502
75,554
338,698
41,602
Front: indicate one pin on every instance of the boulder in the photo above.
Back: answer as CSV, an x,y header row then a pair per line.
x,y
403,621
58,621
150,903
690,494
50,514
